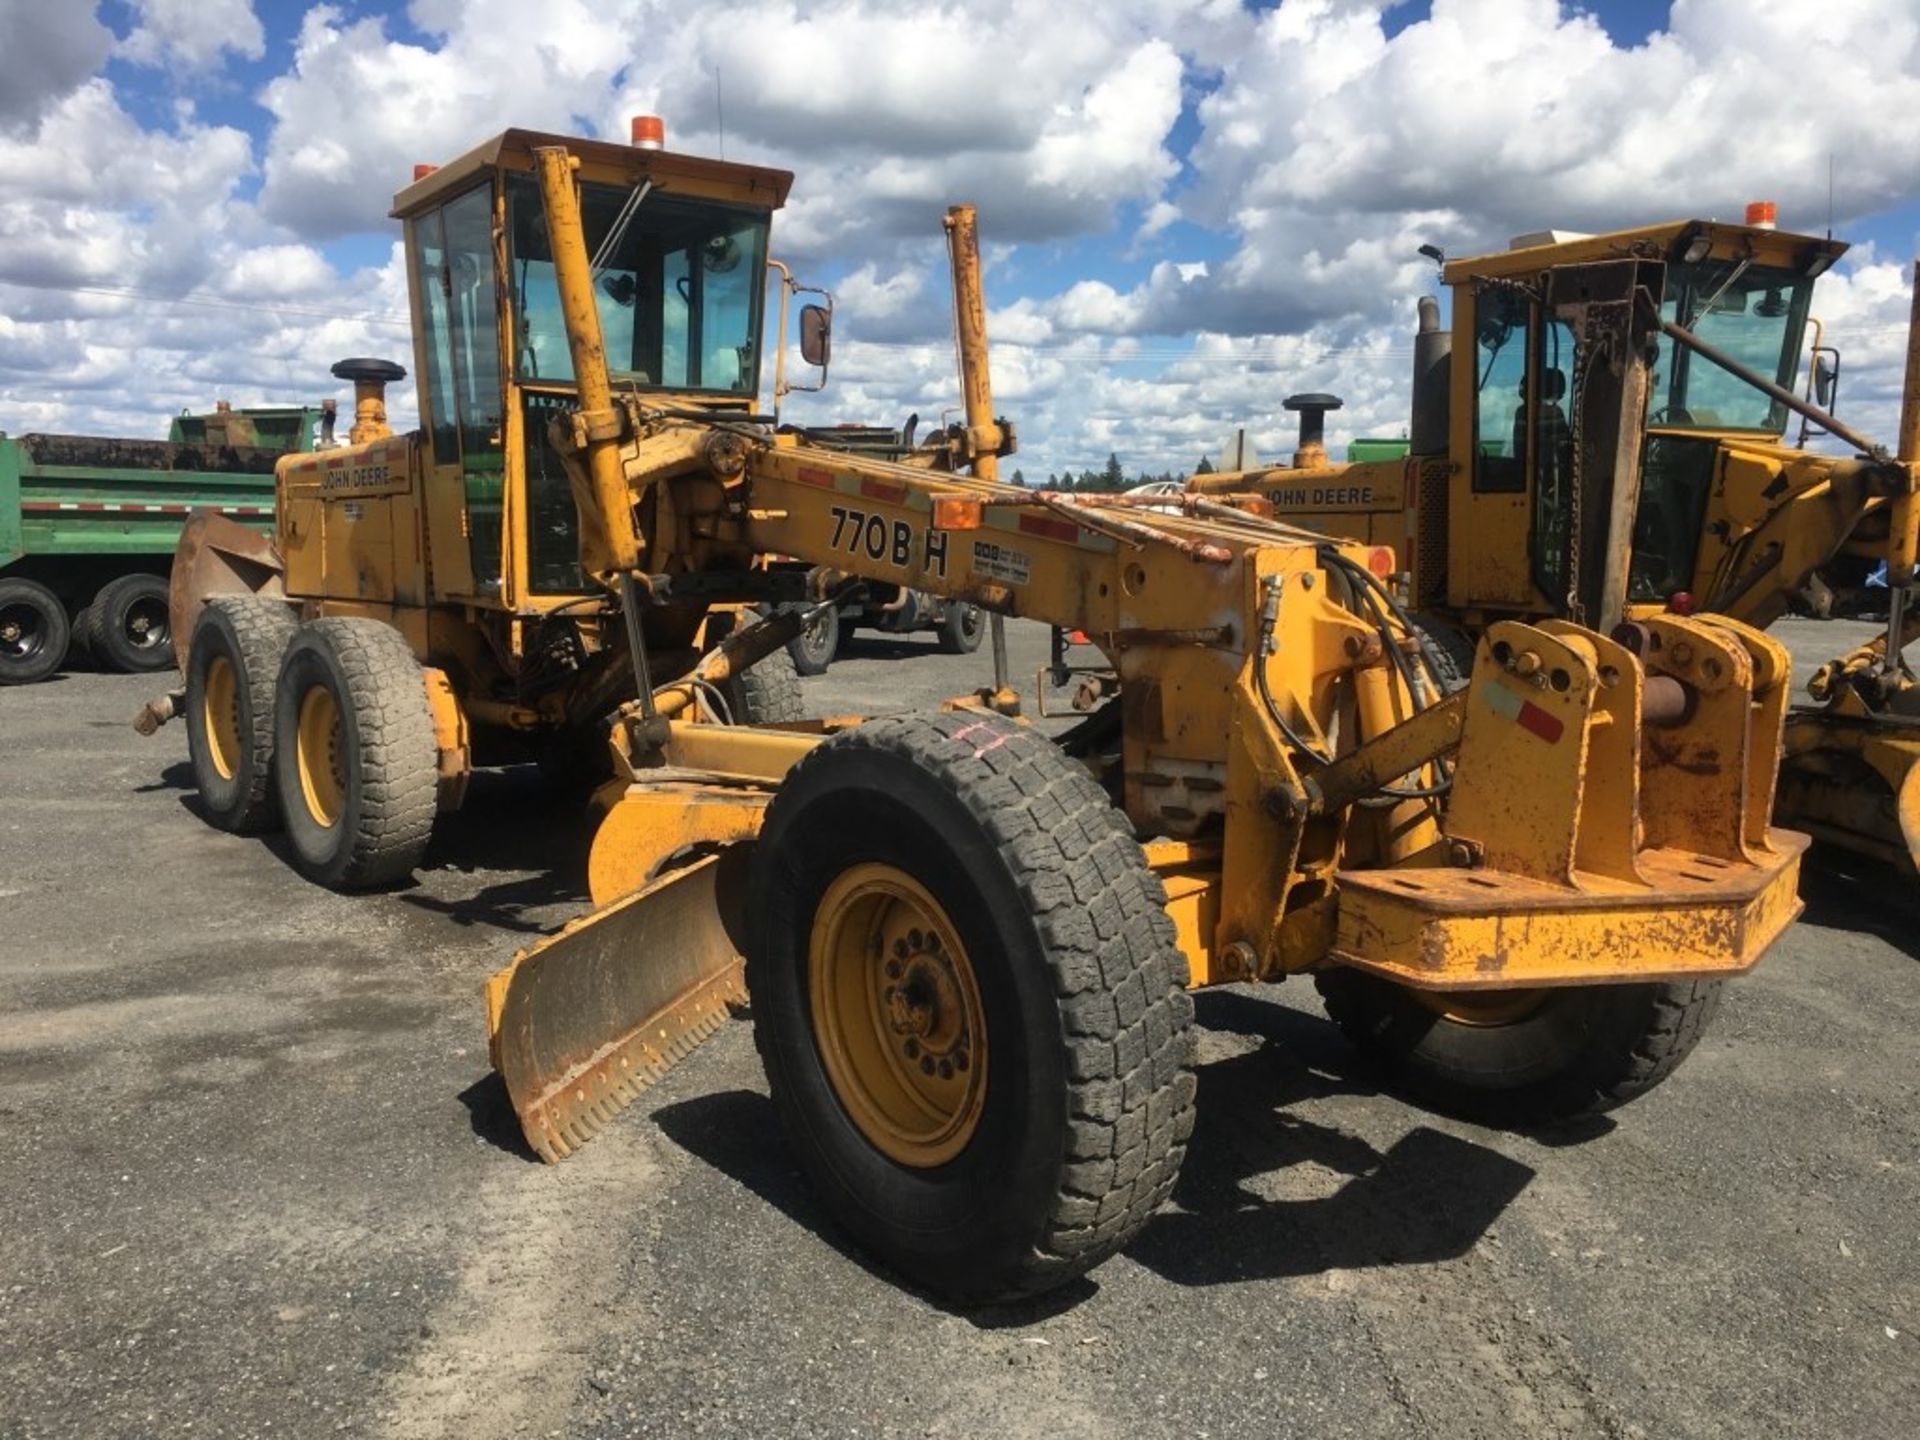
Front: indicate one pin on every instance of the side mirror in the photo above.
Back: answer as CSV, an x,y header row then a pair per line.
x,y
816,335
1826,379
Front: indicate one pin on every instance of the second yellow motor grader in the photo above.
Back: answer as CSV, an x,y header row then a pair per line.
x,y
1513,502
969,947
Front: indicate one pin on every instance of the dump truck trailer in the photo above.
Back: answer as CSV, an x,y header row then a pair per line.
x,y
88,526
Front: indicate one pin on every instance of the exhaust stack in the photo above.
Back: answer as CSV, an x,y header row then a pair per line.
x,y
1432,381
370,380
1312,409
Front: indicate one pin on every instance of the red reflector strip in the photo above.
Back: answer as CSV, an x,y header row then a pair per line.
x,y
1511,705
1544,723
1051,528
890,491
808,475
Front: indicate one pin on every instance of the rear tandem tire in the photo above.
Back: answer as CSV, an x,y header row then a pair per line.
x,y
86,636
130,630
34,632
232,666
355,762
970,1003
1526,1058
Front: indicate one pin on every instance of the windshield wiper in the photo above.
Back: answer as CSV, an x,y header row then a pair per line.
x,y
1732,275
619,230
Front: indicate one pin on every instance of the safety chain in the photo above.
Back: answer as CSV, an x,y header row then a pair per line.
x,y
1576,479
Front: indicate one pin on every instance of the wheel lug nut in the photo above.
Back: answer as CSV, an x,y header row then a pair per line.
x,y
914,939
960,1060
946,1070
912,1047
893,971
926,1065
900,949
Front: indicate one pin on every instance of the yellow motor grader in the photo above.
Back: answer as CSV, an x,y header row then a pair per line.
x,y
1515,499
969,947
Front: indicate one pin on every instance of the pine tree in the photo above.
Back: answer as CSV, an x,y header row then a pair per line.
x,y
1112,476
1205,466
1019,477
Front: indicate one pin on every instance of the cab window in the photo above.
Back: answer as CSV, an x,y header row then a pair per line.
x,y
1500,392
463,349
1551,423
678,289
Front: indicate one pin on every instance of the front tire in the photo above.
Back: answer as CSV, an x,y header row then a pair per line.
x,y
970,1003
355,763
232,664
34,632
1522,1057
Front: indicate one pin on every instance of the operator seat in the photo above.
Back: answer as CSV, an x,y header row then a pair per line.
x,y
1553,461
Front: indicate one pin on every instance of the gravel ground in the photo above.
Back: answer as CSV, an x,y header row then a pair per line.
x,y
255,1179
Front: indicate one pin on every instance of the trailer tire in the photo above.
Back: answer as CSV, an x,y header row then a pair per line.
x,y
355,762
34,632
1523,1057
85,635
960,628
232,665
130,630
962,846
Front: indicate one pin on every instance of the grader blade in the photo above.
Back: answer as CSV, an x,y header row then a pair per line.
x,y
586,1020
1853,782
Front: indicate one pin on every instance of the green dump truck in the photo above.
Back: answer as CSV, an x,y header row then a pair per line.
x,y
88,527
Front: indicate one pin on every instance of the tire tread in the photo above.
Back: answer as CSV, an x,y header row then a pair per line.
x,y
398,755
1118,973
260,629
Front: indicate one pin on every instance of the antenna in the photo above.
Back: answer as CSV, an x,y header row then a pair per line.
x,y
720,114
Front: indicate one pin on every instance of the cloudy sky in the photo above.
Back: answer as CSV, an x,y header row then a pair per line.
x,y
1193,207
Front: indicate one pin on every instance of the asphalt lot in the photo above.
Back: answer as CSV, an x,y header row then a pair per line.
x,y
255,1180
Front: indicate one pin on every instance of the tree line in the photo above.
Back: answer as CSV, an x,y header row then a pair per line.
x,y
1109,478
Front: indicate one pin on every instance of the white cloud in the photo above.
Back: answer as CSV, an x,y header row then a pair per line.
x,y
193,34
1327,152
45,52
1331,150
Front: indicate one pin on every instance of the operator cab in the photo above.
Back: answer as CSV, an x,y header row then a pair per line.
x,y
1743,289
679,251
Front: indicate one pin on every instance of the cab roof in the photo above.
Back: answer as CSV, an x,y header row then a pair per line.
x,y
606,161
1667,241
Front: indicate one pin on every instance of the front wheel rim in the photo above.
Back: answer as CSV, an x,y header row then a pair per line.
x,y
897,1015
318,746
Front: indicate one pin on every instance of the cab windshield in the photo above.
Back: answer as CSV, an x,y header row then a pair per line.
x,y
1754,313
679,291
